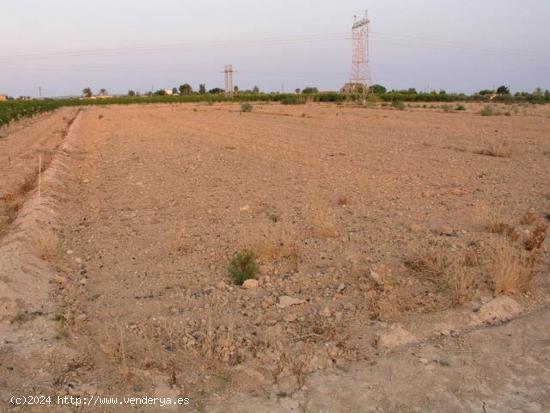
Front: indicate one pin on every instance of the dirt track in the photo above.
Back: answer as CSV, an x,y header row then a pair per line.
x,y
158,198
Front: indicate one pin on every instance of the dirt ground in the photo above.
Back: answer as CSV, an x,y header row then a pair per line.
x,y
373,228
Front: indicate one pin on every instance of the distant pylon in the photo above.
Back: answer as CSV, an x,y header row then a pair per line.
x,y
228,72
360,71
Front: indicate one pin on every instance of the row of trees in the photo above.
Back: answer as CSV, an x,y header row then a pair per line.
x,y
502,93
186,90
379,89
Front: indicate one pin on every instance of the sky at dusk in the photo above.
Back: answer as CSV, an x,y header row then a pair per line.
x,y
459,46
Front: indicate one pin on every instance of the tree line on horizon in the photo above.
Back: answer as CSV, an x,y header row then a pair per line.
x,y
14,109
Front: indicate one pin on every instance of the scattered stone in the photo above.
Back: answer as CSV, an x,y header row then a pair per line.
x,y
446,230
250,284
476,305
498,310
349,307
341,287
290,318
325,312
81,318
423,360
244,208
374,276
221,286
286,301
83,281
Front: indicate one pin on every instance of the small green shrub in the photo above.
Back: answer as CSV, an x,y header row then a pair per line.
x,y
291,100
447,108
487,111
243,266
397,104
246,107
460,107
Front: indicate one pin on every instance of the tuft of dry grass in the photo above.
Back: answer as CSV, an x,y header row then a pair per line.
x,y
496,226
471,259
7,197
462,283
528,218
342,201
511,269
429,262
536,238
498,149
48,246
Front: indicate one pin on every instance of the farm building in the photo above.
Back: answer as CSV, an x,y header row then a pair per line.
x,y
3,97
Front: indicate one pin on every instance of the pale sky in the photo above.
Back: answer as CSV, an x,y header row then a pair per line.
x,y
462,45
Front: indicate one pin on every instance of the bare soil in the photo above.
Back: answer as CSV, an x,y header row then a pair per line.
x,y
388,228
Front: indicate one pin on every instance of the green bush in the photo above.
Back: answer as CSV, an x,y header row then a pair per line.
x,y
397,104
246,107
243,267
291,100
310,90
460,107
487,111
447,108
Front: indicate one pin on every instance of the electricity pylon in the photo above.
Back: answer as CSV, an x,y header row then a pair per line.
x,y
228,72
360,71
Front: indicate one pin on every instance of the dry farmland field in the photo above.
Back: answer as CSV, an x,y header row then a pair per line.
x,y
392,248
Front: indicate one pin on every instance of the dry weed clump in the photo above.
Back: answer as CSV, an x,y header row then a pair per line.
x,y
452,275
7,197
462,283
471,259
342,201
48,246
528,218
511,268
428,262
537,237
499,149
387,301
496,226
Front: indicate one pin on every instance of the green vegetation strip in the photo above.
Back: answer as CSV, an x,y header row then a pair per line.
x,y
12,110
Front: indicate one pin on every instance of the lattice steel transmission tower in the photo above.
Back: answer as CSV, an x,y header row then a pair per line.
x,y
228,72
360,71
